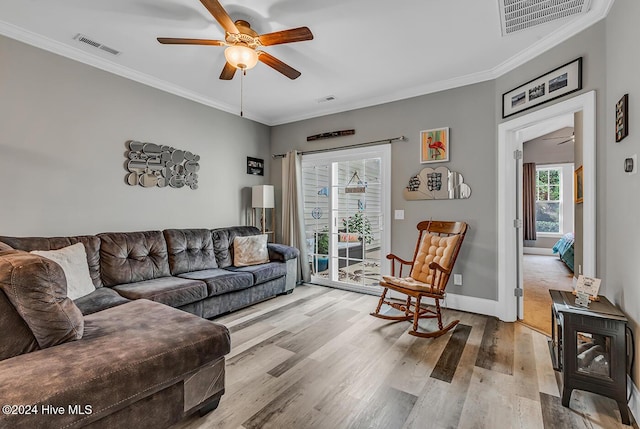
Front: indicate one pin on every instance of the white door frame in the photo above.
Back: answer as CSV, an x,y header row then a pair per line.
x,y
511,135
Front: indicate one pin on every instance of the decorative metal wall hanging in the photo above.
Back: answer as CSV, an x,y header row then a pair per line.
x,y
357,187
151,165
622,118
437,184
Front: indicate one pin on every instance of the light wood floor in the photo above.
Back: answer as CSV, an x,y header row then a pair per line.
x,y
316,359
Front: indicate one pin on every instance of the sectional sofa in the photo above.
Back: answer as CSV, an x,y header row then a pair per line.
x,y
123,355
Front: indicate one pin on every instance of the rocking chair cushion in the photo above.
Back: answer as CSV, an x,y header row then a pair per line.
x,y
433,248
410,283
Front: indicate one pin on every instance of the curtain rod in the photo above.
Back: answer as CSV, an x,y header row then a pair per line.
x,y
391,140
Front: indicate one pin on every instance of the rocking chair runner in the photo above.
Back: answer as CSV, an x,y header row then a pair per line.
x,y
436,252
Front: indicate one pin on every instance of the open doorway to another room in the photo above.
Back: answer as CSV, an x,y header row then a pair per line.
x,y
548,214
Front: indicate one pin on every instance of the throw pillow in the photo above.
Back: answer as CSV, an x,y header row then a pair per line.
x,y
37,289
250,250
349,238
73,260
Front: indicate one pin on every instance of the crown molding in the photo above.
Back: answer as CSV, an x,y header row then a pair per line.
x,y
104,64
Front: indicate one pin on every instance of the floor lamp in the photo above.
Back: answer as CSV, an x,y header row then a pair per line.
x,y
262,198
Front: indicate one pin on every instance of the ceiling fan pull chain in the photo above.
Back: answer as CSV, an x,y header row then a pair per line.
x,y
244,72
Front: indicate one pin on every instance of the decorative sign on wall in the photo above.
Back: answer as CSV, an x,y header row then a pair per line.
x,y
255,166
437,184
151,165
330,135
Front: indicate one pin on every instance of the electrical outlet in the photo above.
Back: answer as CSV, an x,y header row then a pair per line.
x,y
399,215
457,279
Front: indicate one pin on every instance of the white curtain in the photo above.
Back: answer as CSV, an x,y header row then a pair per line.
x,y
293,229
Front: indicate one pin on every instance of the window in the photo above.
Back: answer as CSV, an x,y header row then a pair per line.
x,y
549,200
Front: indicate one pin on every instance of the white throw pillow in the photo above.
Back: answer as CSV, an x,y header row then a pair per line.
x,y
250,250
73,260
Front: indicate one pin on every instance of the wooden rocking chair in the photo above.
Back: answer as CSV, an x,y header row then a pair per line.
x,y
436,252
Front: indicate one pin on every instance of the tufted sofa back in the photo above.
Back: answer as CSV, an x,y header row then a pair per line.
x,y
223,242
128,257
91,246
189,250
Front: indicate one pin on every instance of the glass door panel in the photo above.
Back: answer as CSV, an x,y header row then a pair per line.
x,y
345,203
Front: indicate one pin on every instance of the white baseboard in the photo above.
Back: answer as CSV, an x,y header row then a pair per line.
x,y
634,403
537,251
471,304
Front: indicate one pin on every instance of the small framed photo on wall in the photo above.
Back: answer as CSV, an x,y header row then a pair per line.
x,y
622,118
434,145
255,166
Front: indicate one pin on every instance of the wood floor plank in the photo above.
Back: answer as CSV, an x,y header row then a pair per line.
x,y
547,382
496,351
448,362
388,409
524,364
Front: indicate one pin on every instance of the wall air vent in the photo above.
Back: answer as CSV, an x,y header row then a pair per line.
x,y
518,15
84,39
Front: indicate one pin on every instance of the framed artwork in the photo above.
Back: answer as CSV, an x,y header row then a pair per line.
x,y
434,145
558,82
578,185
255,166
622,120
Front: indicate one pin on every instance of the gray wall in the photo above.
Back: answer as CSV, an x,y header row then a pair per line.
x,y
62,143
473,153
621,239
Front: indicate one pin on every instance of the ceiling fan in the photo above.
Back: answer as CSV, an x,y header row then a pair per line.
x,y
243,43
567,139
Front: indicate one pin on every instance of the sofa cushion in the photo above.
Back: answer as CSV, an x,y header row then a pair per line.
x,y
91,246
172,291
223,242
98,300
128,352
264,272
37,289
20,339
250,250
221,281
189,250
73,261
129,257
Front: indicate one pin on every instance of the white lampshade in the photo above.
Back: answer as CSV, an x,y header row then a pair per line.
x,y
262,196
241,57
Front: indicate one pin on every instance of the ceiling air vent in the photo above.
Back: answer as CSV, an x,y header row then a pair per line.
x,y
518,15
84,39
325,99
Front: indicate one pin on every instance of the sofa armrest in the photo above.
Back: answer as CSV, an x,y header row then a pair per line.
x,y
282,252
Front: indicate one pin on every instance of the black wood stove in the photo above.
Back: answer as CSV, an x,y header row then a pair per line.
x,y
588,346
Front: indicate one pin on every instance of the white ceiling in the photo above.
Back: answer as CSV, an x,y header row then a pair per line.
x,y
364,52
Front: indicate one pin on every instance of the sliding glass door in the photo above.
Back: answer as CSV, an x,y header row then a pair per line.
x,y
346,200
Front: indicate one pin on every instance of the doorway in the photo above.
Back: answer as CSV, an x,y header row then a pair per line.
x,y
548,219
511,135
346,206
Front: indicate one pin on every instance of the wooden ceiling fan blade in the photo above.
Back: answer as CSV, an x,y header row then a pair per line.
x,y
215,8
177,41
299,34
228,71
278,65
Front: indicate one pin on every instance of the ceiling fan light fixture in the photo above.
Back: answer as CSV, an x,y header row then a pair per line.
x,y
241,57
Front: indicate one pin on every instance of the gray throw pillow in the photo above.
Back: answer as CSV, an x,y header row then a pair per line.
x,y
37,289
